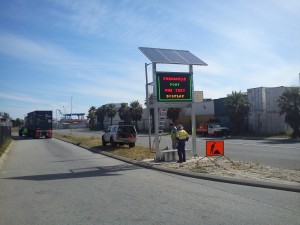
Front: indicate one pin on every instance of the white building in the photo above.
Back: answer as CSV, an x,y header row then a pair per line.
x,y
264,114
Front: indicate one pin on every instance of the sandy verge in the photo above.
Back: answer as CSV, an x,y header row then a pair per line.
x,y
237,169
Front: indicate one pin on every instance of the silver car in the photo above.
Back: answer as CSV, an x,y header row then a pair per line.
x,y
120,135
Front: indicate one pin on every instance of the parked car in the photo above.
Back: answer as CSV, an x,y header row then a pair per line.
x,y
120,135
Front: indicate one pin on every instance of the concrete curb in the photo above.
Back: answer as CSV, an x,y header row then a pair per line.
x,y
261,184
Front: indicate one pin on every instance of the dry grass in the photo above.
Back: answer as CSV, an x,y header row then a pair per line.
x,y
137,153
5,146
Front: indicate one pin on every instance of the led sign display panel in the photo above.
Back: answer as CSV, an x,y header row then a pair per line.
x,y
174,87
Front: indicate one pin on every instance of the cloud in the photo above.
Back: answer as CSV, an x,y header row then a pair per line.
x,y
35,51
20,98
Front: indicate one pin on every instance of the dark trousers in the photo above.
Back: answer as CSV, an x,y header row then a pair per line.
x,y
181,150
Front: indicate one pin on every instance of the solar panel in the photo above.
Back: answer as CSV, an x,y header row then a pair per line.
x,y
169,56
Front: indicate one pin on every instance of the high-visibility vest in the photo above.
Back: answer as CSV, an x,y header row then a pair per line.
x,y
173,133
182,134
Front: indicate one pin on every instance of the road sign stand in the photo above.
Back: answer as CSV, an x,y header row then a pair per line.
x,y
213,160
215,148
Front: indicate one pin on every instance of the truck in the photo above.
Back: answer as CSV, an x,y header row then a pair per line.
x,y
212,128
38,124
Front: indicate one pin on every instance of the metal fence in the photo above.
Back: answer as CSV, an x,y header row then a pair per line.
x,y
5,133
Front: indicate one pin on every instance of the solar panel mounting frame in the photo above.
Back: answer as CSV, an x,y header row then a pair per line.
x,y
171,56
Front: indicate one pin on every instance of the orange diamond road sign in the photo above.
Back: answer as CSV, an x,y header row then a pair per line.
x,y
214,148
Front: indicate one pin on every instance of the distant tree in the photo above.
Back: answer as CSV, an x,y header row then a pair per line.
x,y
136,112
173,114
124,113
238,107
111,111
289,104
92,116
100,114
6,115
17,122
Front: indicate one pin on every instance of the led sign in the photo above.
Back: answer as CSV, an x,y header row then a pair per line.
x,y
174,87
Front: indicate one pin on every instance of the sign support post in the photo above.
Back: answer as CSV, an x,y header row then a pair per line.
x,y
148,105
155,113
193,114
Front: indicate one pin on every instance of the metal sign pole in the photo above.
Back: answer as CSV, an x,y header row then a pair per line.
x,y
193,114
148,106
155,112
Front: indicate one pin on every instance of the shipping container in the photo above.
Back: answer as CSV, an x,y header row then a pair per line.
x,y
38,124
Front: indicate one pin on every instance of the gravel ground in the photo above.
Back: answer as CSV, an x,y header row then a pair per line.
x,y
237,169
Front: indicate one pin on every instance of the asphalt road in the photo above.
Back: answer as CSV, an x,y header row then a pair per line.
x,y
47,181
277,153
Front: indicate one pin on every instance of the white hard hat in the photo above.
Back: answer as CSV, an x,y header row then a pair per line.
x,y
180,127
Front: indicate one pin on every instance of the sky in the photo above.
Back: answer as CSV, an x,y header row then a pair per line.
x,y
69,55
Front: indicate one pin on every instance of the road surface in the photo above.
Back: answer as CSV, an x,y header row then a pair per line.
x,y
47,181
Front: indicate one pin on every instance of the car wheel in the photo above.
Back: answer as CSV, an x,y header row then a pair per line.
x,y
112,142
131,145
103,142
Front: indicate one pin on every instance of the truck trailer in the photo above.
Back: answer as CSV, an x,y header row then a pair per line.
x,y
38,124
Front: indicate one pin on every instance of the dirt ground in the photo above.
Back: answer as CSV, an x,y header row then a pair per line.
x,y
238,169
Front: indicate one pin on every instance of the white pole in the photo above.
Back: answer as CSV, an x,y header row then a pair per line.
x,y
71,106
155,112
148,106
193,114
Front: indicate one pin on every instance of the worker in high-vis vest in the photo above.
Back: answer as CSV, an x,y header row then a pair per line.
x,y
182,137
173,135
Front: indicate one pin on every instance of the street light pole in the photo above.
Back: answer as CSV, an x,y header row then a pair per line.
x,y
57,117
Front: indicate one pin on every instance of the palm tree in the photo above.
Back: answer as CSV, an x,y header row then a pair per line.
x,y
100,113
289,104
173,114
238,107
92,116
111,111
124,113
136,112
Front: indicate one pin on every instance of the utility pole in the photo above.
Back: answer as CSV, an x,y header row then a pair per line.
x,y
71,106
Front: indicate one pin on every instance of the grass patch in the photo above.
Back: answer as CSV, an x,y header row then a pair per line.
x,y
137,153
88,142
5,146
199,170
15,129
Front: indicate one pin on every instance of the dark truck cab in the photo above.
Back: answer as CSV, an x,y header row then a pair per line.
x,y
38,124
